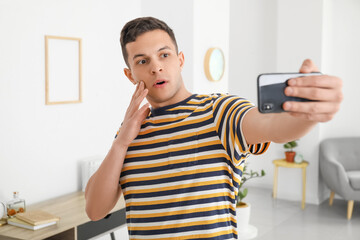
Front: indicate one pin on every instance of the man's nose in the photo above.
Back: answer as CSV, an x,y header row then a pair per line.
x,y
156,67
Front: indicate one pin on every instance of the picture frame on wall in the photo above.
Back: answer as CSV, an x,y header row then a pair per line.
x,y
63,70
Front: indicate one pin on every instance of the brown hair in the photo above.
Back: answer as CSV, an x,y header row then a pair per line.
x,y
141,25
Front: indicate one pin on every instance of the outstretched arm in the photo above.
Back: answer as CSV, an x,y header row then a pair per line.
x,y
300,117
103,190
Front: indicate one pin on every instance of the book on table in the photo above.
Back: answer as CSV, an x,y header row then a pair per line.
x,y
19,223
35,219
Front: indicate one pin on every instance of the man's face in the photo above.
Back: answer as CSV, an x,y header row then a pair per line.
x,y
153,59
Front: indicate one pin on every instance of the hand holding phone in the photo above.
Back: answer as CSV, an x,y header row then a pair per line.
x,y
271,88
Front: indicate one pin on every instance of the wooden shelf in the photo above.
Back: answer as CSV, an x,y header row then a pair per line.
x,y
71,210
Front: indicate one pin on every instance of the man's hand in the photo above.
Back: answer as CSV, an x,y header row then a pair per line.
x,y
133,117
325,90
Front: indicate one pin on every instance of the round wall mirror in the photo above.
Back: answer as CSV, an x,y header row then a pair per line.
x,y
214,64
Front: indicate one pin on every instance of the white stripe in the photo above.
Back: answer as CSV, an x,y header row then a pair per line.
x,y
152,200
179,184
181,208
135,176
197,221
184,235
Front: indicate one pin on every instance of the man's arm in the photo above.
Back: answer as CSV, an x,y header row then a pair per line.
x,y
300,117
103,190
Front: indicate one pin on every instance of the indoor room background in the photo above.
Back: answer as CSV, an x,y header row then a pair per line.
x,y
43,146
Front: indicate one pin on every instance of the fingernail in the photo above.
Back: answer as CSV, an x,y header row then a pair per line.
x,y
292,81
289,91
287,106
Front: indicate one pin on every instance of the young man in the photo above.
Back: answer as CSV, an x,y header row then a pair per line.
x,y
179,163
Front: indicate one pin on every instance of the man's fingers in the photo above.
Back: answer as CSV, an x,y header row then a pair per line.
x,y
312,107
321,81
136,100
313,93
308,66
143,112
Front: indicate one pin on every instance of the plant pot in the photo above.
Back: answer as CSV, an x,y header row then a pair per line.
x,y
290,156
245,230
242,215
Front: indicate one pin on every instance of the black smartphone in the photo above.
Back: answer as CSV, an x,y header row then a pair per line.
x,y
271,87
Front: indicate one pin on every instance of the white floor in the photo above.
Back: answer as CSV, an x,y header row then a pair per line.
x,y
285,220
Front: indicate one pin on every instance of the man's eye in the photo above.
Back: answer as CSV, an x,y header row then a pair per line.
x,y
142,61
165,55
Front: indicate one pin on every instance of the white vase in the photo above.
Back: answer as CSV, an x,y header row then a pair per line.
x,y
245,230
243,216
2,210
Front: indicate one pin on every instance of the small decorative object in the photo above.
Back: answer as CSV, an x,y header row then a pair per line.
x,y
290,154
214,64
298,158
2,214
16,205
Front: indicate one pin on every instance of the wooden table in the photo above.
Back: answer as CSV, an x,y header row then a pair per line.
x,y
73,224
283,163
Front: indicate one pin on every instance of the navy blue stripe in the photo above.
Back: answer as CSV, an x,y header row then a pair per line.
x,y
176,141
180,191
183,216
158,133
184,164
181,204
222,237
175,153
192,114
175,179
222,119
181,229
221,101
238,132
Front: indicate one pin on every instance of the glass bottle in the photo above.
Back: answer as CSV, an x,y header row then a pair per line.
x,y
16,205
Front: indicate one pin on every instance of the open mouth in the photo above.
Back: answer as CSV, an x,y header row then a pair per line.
x,y
160,83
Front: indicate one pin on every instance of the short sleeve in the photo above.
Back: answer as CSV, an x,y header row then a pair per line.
x,y
228,113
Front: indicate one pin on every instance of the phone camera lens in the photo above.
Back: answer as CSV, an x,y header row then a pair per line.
x,y
267,106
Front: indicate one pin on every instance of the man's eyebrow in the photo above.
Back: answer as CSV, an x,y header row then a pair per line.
x,y
160,49
164,48
138,55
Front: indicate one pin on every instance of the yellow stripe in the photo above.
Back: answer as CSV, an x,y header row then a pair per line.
x,y
196,109
183,123
185,211
181,199
161,164
184,224
182,186
224,137
165,120
206,235
179,136
183,173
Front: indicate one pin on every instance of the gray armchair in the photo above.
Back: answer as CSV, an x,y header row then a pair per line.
x,y
340,168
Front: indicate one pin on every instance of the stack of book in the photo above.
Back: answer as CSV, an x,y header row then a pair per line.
x,y
33,219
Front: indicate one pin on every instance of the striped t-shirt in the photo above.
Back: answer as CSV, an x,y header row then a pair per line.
x,y
181,174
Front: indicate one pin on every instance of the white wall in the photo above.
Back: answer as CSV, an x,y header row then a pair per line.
x,y
282,33
211,29
42,146
198,26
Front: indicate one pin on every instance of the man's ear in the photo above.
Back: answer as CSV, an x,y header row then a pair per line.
x,y
128,74
181,59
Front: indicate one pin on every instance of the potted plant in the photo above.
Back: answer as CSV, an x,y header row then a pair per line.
x,y
290,154
242,208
